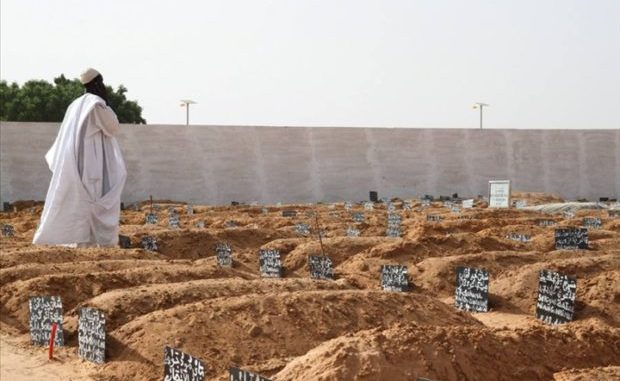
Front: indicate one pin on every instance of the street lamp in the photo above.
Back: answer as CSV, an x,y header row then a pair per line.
x,y
185,103
480,105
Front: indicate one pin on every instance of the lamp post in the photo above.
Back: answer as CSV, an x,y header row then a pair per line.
x,y
480,105
185,103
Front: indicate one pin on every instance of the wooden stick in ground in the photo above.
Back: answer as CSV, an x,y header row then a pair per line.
x,y
318,230
151,197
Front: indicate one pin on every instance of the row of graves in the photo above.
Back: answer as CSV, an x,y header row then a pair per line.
x,y
555,305
555,302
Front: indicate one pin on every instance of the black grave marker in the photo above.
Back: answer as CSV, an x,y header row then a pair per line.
x,y
519,237
289,213
433,218
8,230
546,223
236,374
174,220
320,267
556,297
373,196
91,335
6,206
181,366
472,289
394,278
224,254
151,218
358,217
44,311
124,242
270,264
149,243
571,238
302,229
234,203
592,222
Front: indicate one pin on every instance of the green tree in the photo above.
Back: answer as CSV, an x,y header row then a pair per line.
x,y
41,101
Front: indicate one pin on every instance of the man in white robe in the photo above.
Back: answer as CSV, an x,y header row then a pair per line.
x,y
82,205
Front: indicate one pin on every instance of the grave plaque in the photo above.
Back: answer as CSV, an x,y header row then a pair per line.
x,y
468,204
556,297
264,210
8,230
352,232
236,374
571,238
368,206
224,254
358,217
179,366
320,267
270,264
613,213
190,210
394,278
348,205
472,289
499,194
433,218
334,214
302,229
200,224
91,335
455,209
546,223
426,202
289,213
519,237
373,196
149,243
151,218
174,221
44,311
124,242
393,225
592,222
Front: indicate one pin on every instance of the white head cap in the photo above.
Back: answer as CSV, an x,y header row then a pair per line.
x,y
88,75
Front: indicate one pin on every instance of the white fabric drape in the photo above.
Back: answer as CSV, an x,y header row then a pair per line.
x,y
82,205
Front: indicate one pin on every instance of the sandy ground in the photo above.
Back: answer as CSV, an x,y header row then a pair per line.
x,y
297,328
18,363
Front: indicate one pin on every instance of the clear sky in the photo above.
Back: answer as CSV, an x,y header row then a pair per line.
x,y
410,63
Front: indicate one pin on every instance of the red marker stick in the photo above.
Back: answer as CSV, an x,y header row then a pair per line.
x,y
52,337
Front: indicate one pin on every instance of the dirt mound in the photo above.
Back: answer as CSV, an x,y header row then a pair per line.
x,y
348,328
407,351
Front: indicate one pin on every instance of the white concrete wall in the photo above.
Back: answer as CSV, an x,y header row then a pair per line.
x,y
218,164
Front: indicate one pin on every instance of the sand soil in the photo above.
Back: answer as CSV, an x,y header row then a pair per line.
x,y
297,328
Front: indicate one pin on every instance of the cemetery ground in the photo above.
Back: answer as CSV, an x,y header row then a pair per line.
x,y
298,328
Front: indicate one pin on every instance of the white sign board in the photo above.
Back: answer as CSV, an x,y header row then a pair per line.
x,y
499,194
